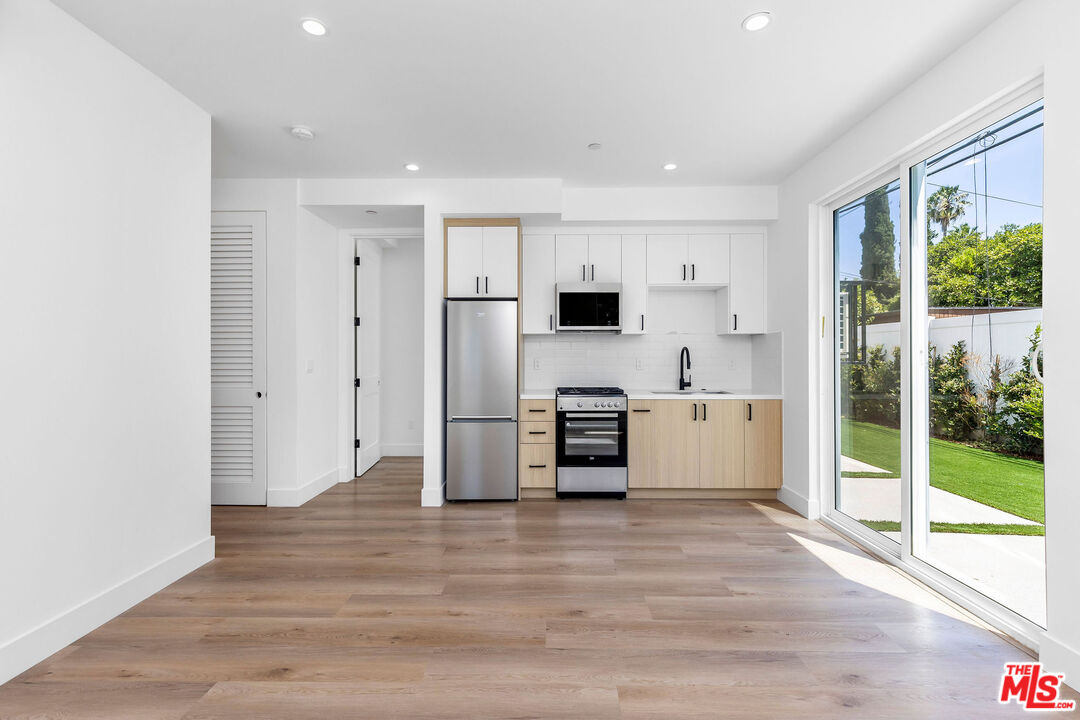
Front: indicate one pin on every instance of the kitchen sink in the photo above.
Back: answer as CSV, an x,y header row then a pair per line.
x,y
690,392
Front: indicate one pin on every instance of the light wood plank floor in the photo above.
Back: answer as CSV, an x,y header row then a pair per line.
x,y
361,604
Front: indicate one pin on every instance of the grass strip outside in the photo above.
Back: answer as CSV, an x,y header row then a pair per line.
x,y
965,528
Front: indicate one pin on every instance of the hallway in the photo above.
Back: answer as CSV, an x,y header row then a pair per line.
x,y
360,604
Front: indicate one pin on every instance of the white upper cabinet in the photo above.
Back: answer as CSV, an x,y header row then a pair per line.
x,y
746,294
501,262
700,259
482,262
464,262
635,289
668,257
538,284
605,258
588,258
709,259
571,258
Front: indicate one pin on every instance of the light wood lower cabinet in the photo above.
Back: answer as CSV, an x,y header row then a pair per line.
x,y
764,443
663,444
536,448
711,444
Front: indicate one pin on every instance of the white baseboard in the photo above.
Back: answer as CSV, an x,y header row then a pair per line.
x,y
30,648
344,474
433,497
799,503
295,497
403,449
1057,657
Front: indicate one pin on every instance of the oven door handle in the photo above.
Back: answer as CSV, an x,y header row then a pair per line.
x,y
601,432
590,416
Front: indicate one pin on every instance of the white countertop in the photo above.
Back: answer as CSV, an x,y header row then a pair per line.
x,y
545,394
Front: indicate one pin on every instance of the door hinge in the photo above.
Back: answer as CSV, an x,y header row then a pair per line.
x,y
357,445
356,261
356,322
356,382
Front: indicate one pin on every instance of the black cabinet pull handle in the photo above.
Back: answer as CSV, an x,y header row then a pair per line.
x,y
642,410
537,410
684,272
695,412
643,323
593,271
538,432
582,273
258,394
736,321
538,466
485,284
693,272
477,284
704,412
551,322
749,412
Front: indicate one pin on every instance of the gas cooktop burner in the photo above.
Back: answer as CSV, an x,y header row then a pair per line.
x,y
589,391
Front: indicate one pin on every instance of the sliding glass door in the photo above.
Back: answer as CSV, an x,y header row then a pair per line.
x,y
866,239
979,493
937,363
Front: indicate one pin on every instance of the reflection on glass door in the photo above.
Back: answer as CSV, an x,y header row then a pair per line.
x,y
867,350
978,498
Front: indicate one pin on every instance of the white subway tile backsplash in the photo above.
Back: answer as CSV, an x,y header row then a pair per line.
x,y
614,360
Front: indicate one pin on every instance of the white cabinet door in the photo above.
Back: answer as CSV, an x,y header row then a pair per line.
x,y
538,284
746,311
500,278
635,288
710,259
571,258
667,259
464,262
605,258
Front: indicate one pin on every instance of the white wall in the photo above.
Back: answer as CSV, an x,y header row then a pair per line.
x,y
104,303
1034,36
317,395
402,348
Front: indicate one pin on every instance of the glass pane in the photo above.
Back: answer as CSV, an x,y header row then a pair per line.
x,y
591,437
984,292
868,295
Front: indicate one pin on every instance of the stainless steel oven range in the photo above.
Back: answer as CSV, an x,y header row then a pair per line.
x,y
590,441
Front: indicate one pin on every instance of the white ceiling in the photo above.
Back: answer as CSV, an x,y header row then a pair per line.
x,y
398,217
518,88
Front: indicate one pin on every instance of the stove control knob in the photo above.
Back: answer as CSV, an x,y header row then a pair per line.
x,y
609,404
617,403
596,404
580,404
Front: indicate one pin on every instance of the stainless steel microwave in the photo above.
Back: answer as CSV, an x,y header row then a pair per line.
x,y
587,307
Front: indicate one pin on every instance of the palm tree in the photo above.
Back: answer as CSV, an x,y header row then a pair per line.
x,y
945,205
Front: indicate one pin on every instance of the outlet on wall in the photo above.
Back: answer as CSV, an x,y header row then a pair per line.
x,y
639,364
730,364
536,363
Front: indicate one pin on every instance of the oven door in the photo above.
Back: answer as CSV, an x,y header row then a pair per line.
x,y
587,307
590,439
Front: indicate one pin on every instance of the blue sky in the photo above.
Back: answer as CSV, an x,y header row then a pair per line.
x,y
1004,185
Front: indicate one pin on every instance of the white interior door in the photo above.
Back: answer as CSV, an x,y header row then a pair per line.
x,y
368,370
238,358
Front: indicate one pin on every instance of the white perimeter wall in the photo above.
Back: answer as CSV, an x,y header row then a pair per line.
x,y
104,304
402,349
1034,36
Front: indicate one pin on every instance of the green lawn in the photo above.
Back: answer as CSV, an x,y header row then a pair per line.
x,y
1006,483
967,528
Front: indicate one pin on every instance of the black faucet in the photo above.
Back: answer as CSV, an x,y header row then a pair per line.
x,y
683,384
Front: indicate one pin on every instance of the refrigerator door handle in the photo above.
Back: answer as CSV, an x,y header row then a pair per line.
x,y
481,417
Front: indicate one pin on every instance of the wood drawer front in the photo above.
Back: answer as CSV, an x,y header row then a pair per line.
x,y
536,432
536,466
536,411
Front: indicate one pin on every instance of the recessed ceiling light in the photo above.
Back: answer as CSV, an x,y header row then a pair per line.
x,y
756,22
412,167
313,27
302,132
372,212
670,166
594,146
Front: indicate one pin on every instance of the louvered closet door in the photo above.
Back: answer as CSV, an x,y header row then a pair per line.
x,y
238,358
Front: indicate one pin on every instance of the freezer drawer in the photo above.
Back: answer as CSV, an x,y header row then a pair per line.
x,y
481,461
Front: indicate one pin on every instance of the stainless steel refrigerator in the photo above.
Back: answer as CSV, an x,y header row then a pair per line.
x,y
481,399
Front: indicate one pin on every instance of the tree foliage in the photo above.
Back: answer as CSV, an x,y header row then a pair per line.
x,y
1005,270
879,248
945,205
